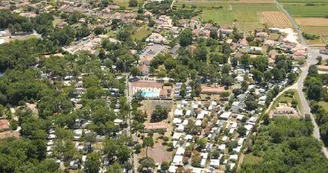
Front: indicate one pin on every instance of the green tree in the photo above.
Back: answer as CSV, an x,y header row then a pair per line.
x,y
241,130
185,38
133,3
148,142
160,113
93,162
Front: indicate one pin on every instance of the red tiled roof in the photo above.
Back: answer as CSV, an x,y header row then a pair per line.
x,y
4,124
147,84
156,126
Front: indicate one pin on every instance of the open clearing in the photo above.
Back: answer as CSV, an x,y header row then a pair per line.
x,y
274,19
312,21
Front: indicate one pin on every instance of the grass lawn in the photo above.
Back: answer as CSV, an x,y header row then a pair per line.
x,y
251,159
285,98
246,14
125,3
141,33
324,105
301,10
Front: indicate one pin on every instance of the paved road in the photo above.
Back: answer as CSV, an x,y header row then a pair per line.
x,y
128,93
310,61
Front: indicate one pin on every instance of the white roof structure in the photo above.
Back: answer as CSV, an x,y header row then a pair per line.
x,y
232,130
239,117
172,169
225,138
180,151
188,113
203,163
178,112
198,123
222,147
177,121
200,116
237,149
176,136
177,160
180,128
215,163
249,127
233,157
225,115
188,137
234,125
241,141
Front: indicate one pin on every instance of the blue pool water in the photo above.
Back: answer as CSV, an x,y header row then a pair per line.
x,y
149,94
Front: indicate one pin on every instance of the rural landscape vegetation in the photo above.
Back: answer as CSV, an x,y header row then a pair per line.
x,y
169,86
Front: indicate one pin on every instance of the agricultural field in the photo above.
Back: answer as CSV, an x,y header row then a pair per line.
x,y
303,1
248,15
301,10
275,19
311,16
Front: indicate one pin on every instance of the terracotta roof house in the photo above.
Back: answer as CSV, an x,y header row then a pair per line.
x,y
284,110
4,125
212,90
144,69
156,126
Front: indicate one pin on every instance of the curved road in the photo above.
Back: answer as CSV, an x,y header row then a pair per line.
x,y
312,54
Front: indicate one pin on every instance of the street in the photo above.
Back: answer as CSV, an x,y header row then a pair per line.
x,y
313,54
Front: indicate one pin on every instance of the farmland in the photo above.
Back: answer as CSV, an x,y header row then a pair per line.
x,y
301,10
247,14
275,19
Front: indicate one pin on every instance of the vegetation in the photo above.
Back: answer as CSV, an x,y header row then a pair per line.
x,y
287,143
160,113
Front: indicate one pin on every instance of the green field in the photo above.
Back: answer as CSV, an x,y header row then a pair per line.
x,y
301,10
303,1
245,13
141,33
251,159
288,97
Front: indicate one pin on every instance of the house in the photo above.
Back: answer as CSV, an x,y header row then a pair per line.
x,y
222,148
255,50
235,107
180,151
4,125
156,38
243,42
164,22
269,43
284,110
226,31
9,134
262,35
233,157
212,90
144,69
177,160
215,163
151,127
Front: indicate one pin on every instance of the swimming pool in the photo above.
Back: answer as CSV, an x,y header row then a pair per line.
x,y
149,94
